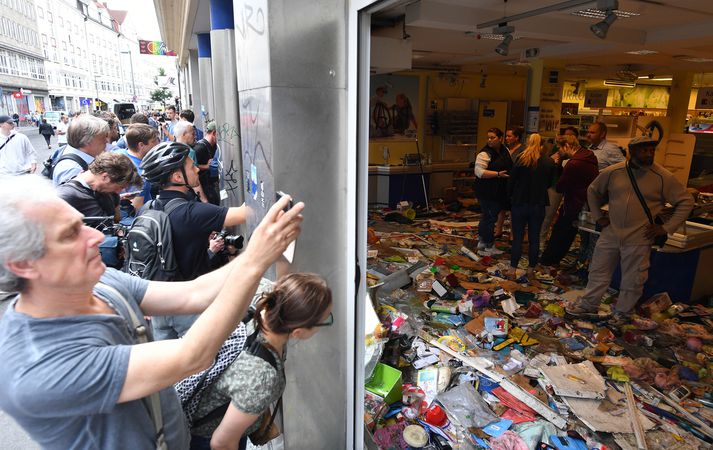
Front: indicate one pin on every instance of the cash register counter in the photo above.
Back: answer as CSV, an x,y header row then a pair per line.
x,y
682,267
389,185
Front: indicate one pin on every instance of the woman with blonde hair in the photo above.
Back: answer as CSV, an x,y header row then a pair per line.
x,y
530,177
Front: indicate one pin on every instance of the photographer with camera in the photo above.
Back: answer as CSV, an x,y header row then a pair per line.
x,y
95,194
192,222
77,369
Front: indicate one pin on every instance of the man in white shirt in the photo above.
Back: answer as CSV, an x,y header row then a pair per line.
x,y
607,153
62,127
17,155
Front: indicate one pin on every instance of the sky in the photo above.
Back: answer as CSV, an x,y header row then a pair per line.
x,y
141,15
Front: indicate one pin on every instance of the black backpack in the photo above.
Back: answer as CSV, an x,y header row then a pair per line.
x,y
149,243
58,156
191,390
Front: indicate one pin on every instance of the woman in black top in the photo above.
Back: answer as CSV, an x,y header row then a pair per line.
x,y
492,164
530,177
47,131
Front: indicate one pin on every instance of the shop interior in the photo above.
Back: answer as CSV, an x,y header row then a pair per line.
x,y
459,356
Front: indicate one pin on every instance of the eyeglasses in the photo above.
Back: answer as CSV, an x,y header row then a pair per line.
x,y
326,323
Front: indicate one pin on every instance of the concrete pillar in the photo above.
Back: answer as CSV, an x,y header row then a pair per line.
x,y
206,108
292,77
194,89
678,101
534,86
225,87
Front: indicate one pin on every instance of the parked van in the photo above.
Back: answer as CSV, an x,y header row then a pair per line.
x,y
53,117
124,111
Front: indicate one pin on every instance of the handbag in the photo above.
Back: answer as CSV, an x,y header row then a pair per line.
x,y
268,429
658,240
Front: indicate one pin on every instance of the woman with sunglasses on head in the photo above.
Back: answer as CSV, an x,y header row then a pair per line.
x,y
297,308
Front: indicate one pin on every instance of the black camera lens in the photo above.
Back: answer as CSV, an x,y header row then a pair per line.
x,y
234,240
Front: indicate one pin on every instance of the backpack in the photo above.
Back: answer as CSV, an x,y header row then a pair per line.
x,y
214,167
58,156
149,243
191,390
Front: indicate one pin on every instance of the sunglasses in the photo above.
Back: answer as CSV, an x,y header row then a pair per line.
x,y
326,323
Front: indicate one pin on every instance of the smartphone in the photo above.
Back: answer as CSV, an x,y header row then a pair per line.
x,y
279,195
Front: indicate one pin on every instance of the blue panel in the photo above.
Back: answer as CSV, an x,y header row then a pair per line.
x,y
221,15
203,45
669,272
407,187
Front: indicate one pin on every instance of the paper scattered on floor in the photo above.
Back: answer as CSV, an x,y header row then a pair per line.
x,y
576,380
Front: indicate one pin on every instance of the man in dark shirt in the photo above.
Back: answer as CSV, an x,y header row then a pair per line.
x,y
169,165
205,152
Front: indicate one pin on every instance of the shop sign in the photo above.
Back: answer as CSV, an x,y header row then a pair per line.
x,y
596,98
704,100
17,94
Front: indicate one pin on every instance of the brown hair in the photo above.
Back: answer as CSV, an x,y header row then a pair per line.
x,y
118,168
298,301
139,132
531,154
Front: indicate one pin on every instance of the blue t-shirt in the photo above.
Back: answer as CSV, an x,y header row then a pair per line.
x,y
146,190
62,376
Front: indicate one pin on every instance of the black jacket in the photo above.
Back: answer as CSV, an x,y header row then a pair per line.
x,y
528,185
46,129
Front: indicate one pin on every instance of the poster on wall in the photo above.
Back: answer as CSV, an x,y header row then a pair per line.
x,y
641,97
393,106
704,99
596,98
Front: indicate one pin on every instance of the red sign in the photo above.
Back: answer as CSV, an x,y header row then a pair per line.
x,y
17,94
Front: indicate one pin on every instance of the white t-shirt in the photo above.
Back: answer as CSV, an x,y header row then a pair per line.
x,y
62,133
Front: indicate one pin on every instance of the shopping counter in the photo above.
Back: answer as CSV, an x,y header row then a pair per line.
x,y
682,267
388,185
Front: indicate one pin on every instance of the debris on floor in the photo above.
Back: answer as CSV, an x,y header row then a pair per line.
x,y
468,355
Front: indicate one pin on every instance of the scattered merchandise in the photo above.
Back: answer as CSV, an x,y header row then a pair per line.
x,y
470,354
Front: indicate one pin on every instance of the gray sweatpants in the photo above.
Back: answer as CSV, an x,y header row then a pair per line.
x,y
635,262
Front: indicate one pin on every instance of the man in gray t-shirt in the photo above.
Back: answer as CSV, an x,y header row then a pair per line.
x,y
73,373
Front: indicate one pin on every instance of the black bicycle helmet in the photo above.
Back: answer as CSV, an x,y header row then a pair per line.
x,y
160,162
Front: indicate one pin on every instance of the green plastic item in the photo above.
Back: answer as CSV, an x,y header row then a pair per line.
x,y
385,382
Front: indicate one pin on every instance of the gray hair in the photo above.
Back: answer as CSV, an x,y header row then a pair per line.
x,y
181,128
21,239
83,129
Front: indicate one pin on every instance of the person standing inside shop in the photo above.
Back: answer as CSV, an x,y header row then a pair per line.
x,y
580,169
529,179
627,234
555,198
492,164
513,140
607,152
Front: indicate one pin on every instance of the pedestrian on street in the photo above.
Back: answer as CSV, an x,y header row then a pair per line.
x,y
17,155
627,234
47,131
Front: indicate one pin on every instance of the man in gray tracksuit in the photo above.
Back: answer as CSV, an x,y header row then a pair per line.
x,y
627,234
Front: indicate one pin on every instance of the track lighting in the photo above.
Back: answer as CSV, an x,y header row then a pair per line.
x,y
504,46
601,29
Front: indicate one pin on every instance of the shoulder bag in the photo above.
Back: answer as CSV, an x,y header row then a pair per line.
x,y
153,401
658,240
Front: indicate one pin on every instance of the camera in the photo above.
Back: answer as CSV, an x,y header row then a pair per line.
x,y
235,240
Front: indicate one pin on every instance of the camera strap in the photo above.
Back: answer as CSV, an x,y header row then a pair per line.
x,y
638,193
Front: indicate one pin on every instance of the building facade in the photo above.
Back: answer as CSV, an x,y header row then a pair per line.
x,y
23,83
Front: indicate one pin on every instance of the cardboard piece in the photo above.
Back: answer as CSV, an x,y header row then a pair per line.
x,y
477,325
576,380
588,411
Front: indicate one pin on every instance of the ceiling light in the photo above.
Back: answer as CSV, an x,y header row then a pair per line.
x,y
642,52
655,78
693,59
504,46
601,14
620,83
600,29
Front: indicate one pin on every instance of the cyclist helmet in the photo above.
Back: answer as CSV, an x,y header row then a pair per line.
x,y
161,161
